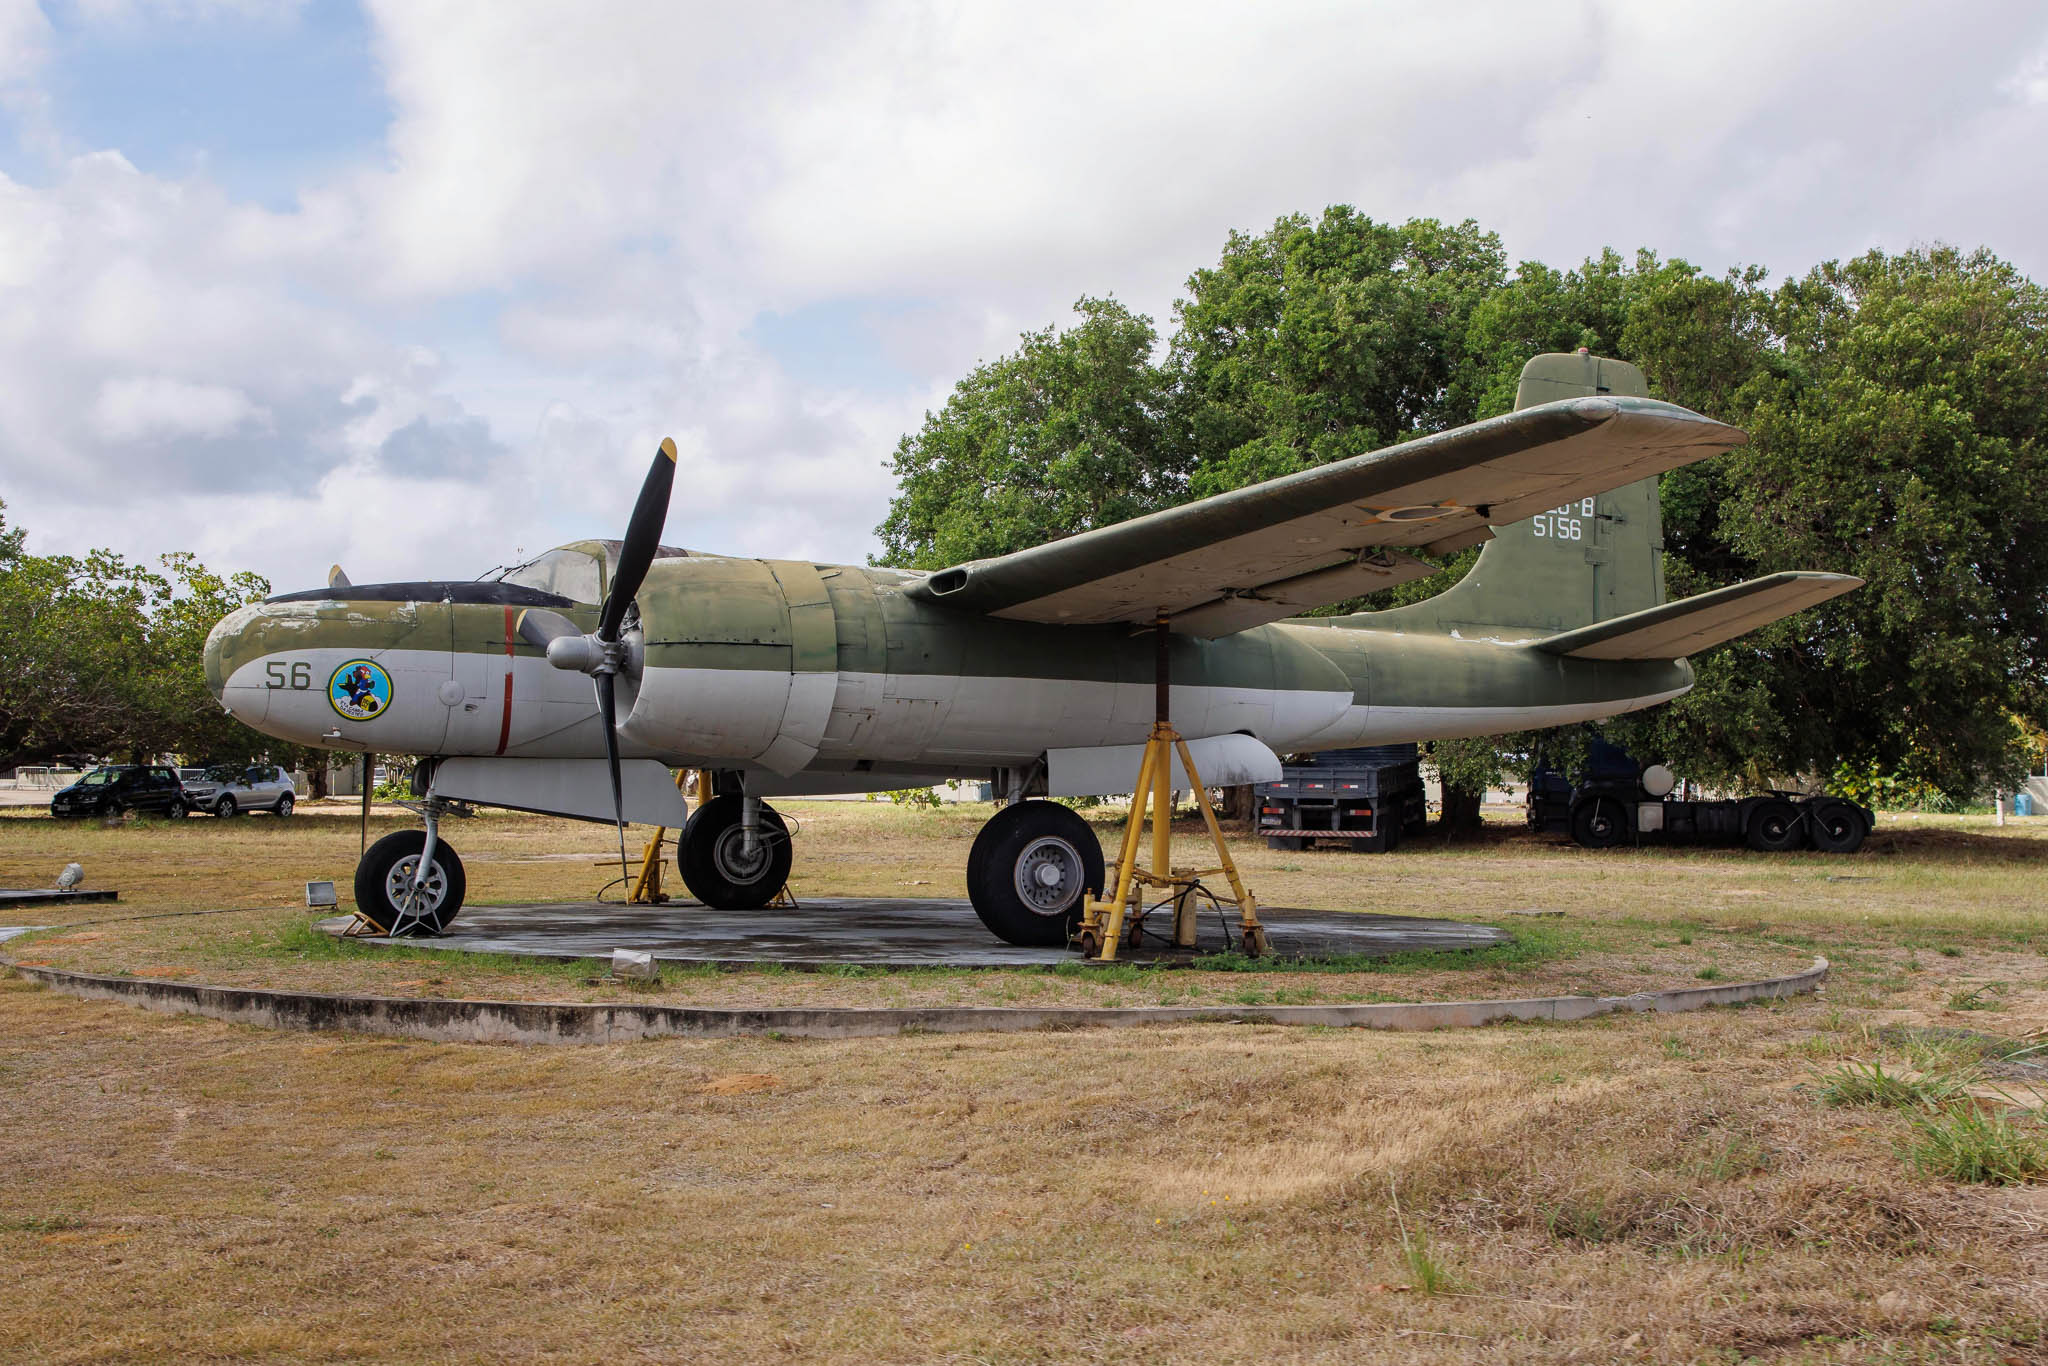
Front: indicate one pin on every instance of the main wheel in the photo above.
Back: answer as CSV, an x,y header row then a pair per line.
x,y
226,807
384,886
176,811
1028,870
712,856
1599,822
284,805
1773,827
1836,826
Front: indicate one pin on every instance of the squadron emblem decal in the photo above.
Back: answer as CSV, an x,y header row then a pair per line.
x,y
360,690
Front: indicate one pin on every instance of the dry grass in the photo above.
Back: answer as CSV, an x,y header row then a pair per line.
x,y
1639,1188
1953,904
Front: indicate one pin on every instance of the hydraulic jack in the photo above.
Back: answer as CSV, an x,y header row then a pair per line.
x,y
1103,921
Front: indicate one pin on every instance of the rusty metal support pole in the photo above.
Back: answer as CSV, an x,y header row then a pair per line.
x,y
1162,673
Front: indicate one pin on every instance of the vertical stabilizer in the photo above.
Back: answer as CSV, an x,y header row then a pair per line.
x,y
1584,562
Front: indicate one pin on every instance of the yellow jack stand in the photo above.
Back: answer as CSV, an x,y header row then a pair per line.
x,y
646,888
1103,921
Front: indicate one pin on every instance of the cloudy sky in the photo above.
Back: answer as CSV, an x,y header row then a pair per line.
x,y
417,285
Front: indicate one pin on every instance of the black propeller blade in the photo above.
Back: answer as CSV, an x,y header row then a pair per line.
x,y
602,654
608,712
643,538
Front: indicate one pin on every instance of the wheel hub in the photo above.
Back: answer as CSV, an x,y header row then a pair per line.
x,y
1048,876
426,900
729,856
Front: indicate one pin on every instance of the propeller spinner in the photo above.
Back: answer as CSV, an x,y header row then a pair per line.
x,y
603,653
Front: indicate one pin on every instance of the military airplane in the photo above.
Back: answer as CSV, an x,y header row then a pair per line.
x,y
574,683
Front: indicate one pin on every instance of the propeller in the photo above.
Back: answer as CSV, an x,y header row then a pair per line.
x,y
602,653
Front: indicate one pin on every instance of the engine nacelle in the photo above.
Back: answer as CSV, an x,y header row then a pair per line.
x,y
741,661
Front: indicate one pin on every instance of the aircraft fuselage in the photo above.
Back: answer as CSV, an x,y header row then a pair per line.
x,y
829,677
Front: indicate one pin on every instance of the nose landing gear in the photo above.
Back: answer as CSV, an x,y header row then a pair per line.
x,y
409,884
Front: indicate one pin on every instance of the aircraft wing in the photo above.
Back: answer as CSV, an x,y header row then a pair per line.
x,y
1677,629
1277,549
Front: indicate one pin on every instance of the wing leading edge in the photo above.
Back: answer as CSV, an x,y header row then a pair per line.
x,y
1277,549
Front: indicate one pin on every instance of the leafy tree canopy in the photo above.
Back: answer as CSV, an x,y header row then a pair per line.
x,y
103,656
1072,431
1896,405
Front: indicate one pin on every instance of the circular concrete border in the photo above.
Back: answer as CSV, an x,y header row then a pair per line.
x,y
446,1021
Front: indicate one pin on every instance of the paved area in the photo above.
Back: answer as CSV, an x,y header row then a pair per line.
x,y
887,933
51,896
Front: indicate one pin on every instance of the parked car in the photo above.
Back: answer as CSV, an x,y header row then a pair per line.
x,y
230,789
112,789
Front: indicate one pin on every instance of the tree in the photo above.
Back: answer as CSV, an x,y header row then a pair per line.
x,y
1071,431
104,656
1312,342
1896,406
1897,435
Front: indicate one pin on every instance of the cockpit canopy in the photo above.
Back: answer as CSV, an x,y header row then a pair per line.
x,y
578,571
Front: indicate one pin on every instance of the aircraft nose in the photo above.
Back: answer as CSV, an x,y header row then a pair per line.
x,y
216,641
229,645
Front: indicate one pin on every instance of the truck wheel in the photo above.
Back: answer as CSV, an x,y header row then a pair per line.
x,y
1773,827
1599,823
1029,869
1836,826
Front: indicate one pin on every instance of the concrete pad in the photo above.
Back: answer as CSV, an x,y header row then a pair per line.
x,y
50,896
888,932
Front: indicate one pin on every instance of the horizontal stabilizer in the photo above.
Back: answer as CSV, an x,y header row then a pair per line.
x,y
1685,627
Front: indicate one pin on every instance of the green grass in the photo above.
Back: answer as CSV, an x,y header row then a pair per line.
x,y
1985,997
1531,945
1869,1084
1978,1145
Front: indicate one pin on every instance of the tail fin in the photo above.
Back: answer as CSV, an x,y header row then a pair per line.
x,y
1589,561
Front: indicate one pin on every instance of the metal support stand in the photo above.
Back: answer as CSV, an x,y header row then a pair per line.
x,y
1103,921
646,887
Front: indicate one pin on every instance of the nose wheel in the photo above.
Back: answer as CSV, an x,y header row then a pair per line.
x,y
394,897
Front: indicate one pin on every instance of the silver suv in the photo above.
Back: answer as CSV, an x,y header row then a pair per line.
x,y
229,790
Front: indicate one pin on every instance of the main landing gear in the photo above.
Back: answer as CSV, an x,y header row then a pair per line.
x,y
1031,869
409,884
734,854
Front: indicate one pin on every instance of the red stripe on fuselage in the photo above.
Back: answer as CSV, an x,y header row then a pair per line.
x,y
505,726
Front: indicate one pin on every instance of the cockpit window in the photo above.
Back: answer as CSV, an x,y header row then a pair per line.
x,y
568,573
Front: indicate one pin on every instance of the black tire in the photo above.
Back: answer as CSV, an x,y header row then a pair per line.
x,y
387,868
1021,847
225,807
284,805
1836,826
710,854
1600,822
176,811
1774,827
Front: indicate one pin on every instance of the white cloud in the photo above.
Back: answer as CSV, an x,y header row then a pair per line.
x,y
579,215
154,407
